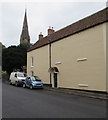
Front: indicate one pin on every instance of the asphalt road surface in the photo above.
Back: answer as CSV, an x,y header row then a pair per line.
x,y
18,102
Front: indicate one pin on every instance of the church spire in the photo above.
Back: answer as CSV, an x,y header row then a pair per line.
x,y
25,38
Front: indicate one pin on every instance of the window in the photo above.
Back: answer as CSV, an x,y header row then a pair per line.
x,y
32,61
21,75
15,75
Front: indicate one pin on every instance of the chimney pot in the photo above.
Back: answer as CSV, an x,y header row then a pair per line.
x,y
50,30
49,27
40,36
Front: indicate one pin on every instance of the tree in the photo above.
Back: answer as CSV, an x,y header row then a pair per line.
x,y
14,57
2,46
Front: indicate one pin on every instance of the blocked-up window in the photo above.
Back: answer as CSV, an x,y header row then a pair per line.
x,y
32,73
32,62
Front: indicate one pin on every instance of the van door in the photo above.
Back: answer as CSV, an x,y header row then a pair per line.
x,y
15,77
12,78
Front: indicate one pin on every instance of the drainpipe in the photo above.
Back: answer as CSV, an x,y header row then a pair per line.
x,y
50,61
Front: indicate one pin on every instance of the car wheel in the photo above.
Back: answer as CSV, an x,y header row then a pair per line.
x,y
10,83
24,85
31,87
16,83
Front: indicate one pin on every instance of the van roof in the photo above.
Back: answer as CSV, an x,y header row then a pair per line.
x,y
17,72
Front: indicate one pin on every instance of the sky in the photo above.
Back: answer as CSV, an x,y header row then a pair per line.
x,y
41,15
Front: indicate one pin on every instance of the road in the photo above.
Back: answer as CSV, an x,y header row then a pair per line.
x,y
18,102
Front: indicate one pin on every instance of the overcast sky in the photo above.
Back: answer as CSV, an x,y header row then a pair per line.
x,y
40,16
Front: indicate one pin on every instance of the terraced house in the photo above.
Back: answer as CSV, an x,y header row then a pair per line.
x,y
73,57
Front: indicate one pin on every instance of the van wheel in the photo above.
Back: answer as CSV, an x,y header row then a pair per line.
x,y
16,83
31,87
24,85
10,83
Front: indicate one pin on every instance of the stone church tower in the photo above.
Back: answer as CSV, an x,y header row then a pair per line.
x,y
25,38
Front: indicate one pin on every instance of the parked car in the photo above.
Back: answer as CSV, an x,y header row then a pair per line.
x,y
17,78
33,82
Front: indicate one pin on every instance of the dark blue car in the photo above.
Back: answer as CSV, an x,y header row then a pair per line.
x,y
32,82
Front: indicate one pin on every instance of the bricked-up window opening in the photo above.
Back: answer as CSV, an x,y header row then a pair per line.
x,y
32,73
32,61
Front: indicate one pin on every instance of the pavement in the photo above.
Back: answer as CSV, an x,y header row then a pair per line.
x,y
97,95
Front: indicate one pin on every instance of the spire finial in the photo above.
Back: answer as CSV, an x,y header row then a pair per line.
x,y
25,10
25,7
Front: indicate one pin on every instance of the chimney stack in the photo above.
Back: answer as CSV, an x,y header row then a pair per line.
x,y
50,30
40,36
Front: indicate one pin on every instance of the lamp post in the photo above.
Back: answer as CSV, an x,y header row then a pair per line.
x,y
50,60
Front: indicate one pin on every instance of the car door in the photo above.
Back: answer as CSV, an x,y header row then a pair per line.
x,y
28,81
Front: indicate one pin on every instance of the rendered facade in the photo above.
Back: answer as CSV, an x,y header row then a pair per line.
x,y
73,57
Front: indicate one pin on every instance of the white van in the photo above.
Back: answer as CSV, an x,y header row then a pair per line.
x,y
17,78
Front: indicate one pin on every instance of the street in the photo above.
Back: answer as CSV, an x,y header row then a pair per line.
x,y
18,102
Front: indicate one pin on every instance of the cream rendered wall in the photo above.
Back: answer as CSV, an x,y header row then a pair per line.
x,y
106,55
41,64
86,44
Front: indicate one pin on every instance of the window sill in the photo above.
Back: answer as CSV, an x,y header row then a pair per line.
x,y
32,66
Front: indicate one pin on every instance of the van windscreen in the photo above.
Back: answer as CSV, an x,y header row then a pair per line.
x,y
21,75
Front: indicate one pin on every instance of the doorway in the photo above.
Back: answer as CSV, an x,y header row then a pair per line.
x,y
54,76
55,80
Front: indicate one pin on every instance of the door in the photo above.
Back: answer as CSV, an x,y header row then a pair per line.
x,y
28,81
15,78
55,79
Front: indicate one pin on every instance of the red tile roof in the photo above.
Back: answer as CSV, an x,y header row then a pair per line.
x,y
88,22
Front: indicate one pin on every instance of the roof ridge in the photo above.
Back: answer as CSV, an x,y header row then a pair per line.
x,y
80,25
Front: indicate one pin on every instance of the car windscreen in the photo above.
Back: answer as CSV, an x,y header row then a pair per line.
x,y
35,78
